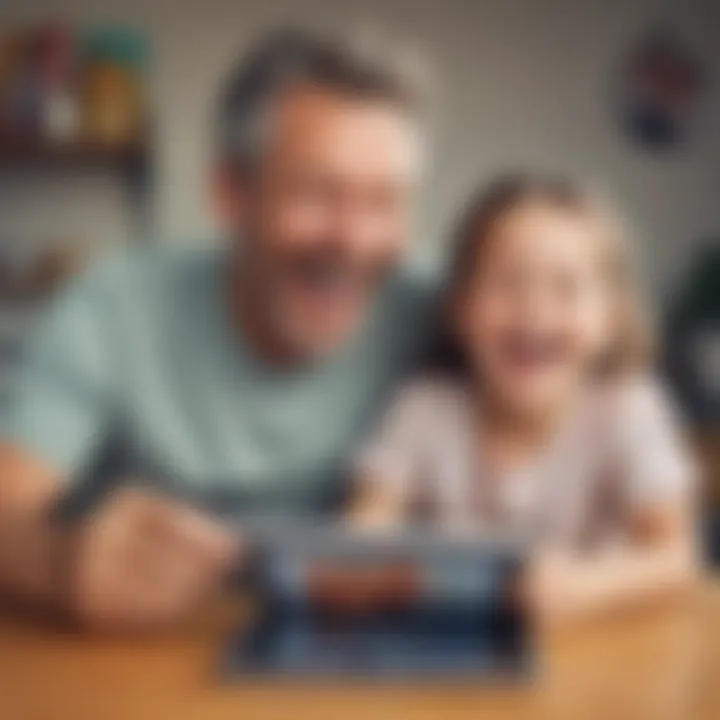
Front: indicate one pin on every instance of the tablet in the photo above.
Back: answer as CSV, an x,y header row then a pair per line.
x,y
329,602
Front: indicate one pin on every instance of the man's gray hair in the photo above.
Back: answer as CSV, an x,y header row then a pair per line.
x,y
293,58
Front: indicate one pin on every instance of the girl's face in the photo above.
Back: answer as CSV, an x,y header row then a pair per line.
x,y
536,313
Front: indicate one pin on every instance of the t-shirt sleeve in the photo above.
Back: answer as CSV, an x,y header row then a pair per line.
x,y
395,452
655,461
61,408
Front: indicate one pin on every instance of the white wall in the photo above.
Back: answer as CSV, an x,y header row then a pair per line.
x,y
523,82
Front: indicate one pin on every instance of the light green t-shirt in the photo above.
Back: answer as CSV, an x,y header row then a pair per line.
x,y
137,360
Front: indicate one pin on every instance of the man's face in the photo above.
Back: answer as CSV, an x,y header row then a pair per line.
x,y
327,215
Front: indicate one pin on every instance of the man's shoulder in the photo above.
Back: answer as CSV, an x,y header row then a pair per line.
x,y
413,292
142,272
407,314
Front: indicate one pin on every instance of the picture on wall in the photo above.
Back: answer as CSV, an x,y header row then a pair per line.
x,y
661,84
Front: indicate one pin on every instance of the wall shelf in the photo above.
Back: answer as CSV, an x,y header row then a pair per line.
x,y
130,163
15,154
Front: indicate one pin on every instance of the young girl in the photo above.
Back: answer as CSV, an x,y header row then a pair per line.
x,y
544,419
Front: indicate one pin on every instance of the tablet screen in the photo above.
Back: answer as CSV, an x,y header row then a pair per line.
x,y
385,607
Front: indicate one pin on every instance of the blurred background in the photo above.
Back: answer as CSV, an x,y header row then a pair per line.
x,y
106,115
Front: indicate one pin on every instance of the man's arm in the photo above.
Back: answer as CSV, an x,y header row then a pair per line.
x,y
28,544
137,559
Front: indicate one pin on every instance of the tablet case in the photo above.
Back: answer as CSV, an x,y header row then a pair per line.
x,y
330,603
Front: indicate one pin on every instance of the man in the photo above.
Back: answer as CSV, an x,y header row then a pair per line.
x,y
237,378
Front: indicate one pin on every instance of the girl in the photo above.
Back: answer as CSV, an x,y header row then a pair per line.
x,y
544,419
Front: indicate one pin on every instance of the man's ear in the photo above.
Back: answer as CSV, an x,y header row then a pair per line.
x,y
227,196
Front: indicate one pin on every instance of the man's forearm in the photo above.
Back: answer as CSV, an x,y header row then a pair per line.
x,y
29,550
30,545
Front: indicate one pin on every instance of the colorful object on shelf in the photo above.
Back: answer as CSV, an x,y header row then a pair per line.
x,y
19,96
57,65
114,97
63,87
660,89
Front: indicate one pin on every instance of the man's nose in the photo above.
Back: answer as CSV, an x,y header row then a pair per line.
x,y
359,235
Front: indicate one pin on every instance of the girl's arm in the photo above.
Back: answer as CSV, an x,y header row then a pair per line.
x,y
376,505
659,559
656,496
389,466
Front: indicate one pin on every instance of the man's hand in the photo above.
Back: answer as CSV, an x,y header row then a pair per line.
x,y
142,560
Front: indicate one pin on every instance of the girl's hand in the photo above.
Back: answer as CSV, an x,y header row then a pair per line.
x,y
552,588
561,586
375,508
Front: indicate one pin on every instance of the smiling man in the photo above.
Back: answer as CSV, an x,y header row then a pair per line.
x,y
240,377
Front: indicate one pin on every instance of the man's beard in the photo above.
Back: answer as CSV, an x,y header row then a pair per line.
x,y
264,295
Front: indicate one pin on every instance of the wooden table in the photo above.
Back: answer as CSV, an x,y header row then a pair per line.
x,y
660,663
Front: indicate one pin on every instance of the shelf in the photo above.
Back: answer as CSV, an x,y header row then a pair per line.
x,y
132,165
18,154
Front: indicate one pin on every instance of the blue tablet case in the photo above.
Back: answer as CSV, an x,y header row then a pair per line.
x,y
329,604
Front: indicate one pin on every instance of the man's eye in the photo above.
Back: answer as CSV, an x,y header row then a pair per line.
x,y
309,192
309,188
386,200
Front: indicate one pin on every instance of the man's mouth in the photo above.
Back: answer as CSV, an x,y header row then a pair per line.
x,y
331,281
530,351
